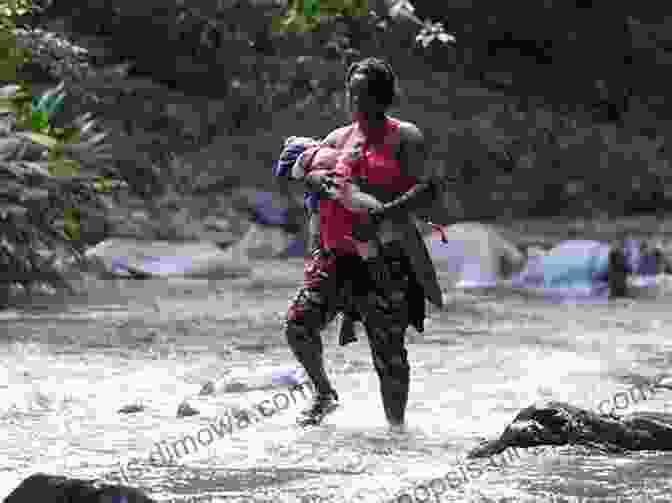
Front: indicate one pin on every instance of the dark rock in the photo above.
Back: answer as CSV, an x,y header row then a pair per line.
x,y
131,409
236,387
559,423
57,489
186,410
208,388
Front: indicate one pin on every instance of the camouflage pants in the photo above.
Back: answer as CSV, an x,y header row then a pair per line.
x,y
333,284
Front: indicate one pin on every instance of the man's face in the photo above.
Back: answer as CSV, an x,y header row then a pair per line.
x,y
361,98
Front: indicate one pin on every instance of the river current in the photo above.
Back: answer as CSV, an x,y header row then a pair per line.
x,y
67,370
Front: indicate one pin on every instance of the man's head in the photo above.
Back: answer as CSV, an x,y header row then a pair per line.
x,y
371,86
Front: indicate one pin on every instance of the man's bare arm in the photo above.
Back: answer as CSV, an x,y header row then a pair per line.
x,y
413,152
331,140
413,158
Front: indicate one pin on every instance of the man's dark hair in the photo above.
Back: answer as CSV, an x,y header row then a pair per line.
x,y
383,79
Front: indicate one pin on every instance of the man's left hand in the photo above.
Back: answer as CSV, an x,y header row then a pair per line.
x,y
376,216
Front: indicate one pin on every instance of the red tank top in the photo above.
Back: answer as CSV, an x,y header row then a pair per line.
x,y
375,162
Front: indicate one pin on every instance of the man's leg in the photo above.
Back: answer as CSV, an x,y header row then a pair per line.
x,y
309,312
346,329
386,320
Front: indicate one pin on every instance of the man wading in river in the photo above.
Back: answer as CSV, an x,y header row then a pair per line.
x,y
385,157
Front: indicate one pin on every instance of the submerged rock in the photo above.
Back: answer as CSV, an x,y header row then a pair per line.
x,y
559,423
55,489
186,410
208,388
131,409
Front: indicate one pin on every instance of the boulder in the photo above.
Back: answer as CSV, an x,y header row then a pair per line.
x,y
266,242
181,226
143,259
56,489
131,229
184,219
559,423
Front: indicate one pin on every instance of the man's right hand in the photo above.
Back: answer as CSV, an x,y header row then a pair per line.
x,y
321,182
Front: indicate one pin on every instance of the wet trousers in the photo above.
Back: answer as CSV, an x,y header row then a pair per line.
x,y
336,283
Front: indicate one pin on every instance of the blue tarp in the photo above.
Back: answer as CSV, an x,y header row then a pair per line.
x,y
573,269
578,270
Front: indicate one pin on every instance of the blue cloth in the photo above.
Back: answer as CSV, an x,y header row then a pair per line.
x,y
311,200
648,265
282,168
633,255
120,267
289,377
149,265
266,211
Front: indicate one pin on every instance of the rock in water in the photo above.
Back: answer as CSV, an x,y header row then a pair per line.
x,y
56,489
559,423
131,409
186,410
208,388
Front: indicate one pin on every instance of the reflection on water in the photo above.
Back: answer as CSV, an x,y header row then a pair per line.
x,y
64,376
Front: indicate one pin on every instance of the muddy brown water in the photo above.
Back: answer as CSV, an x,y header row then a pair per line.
x,y
66,371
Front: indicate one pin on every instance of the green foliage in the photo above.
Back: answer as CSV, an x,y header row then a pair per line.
x,y
12,56
11,9
105,185
42,203
72,223
43,108
307,15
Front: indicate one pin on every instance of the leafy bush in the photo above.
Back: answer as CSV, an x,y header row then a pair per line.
x,y
52,170
50,178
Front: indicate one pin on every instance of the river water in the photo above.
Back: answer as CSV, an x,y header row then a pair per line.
x,y
65,373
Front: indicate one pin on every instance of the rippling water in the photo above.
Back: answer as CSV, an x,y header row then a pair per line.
x,y
64,374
